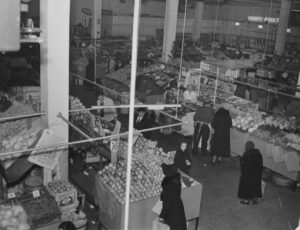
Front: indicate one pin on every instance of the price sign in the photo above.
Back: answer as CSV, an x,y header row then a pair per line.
x,y
11,195
36,194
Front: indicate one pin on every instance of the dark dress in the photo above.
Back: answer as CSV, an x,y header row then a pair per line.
x,y
251,172
221,138
172,209
180,160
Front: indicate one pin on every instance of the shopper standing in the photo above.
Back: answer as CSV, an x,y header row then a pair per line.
x,y
141,121
251,165
221,139
172,212
182,159
202,119
190,96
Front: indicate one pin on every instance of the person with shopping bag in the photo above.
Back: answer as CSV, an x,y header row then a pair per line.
x,y
172,213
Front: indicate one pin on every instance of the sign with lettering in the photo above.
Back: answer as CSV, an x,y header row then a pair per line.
x,y
262,19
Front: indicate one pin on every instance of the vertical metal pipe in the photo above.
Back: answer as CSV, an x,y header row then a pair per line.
x,y
135,36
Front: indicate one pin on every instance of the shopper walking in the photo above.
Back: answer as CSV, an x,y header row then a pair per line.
x,y
172,212
182,159
202,119
221,139
251,164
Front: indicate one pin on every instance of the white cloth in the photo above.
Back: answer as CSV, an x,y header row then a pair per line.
x,y
109,113
292,161
190,96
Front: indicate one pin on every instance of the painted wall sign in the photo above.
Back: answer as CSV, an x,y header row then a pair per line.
x,y
262,19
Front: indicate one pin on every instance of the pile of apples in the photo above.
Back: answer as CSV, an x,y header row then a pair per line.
x,y
143,183
249,121
60,186
13,218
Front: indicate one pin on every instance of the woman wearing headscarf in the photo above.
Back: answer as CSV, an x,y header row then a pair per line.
x,y
221,139
251,164
182,159
172,212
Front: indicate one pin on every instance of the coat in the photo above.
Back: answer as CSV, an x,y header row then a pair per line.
x,y
251,171
180,160
172,208
221,139
143,124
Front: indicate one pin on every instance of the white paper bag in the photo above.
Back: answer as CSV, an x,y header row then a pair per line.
x,y
157,207
158,225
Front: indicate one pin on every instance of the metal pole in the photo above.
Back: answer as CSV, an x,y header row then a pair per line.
x,y
154,107
134,54
181,56
22,116
73,126
89,140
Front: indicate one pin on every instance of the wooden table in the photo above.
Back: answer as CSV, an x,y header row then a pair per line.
x,y
141,216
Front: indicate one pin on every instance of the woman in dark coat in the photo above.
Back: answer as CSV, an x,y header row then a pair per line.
x,y
221,139
172,212
251,172
182,159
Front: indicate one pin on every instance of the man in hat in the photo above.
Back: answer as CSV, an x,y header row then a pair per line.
x,y
141,121
202,119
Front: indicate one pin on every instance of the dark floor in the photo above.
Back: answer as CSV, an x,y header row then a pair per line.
x,y
220,208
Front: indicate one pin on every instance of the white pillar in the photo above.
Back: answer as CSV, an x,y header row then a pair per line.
x,y
282,26
197,20
170,27
97,18
55,25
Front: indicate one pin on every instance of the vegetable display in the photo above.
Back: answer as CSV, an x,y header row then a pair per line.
x,y
13,218
41,210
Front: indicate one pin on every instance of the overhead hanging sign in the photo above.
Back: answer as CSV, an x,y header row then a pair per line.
x,y
262,19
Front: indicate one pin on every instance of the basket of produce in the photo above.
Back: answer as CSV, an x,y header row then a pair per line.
x,y
42,210
64,193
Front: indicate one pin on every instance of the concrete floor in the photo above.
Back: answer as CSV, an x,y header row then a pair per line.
x,y
220,208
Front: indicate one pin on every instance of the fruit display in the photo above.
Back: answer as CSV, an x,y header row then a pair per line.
x,y
41,210
280,123
82,118
13,218
143,183
17,142
60,186
64,193
293,141
249,121
104,123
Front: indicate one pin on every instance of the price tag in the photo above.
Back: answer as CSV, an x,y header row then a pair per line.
x,y
36,194
11,195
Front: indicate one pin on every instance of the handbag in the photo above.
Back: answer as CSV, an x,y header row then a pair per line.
x,y
158,225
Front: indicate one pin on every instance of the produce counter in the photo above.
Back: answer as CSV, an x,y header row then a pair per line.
x,y
275,157
111,211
